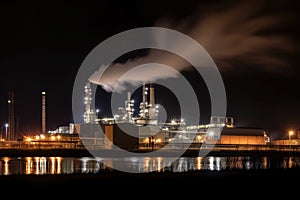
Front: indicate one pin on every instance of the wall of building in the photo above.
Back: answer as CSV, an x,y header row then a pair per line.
x,y
238,139
119,136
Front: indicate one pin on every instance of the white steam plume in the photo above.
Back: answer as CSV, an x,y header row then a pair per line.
x,y
236,35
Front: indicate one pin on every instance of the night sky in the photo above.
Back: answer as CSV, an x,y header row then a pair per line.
x,y
44,44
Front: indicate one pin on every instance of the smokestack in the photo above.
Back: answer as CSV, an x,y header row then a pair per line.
x,y
11,116
152,100
44,112
128,96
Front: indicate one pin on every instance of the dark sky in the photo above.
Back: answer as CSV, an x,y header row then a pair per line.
x,y
44,44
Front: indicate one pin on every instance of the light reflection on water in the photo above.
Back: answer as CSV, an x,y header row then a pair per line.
x,y
60,165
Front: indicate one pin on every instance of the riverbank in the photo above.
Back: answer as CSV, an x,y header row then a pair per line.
x,y
140,152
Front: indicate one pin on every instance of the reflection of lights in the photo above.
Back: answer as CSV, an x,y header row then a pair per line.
x,y
37,166
28,165
52,170
218,163
6,168
290,162
43,165
211,163
146,164
199,162
84,164
159,166
59,161
265,162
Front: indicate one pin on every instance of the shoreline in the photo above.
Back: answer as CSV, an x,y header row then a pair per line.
x,y
142,153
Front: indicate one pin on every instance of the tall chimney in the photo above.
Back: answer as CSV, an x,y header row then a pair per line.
x,y
128,96
44,112
152,96
11,116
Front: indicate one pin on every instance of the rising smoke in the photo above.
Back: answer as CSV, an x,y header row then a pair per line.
x,y
242,34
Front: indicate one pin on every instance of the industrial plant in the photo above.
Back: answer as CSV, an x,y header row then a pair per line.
x,y
144,131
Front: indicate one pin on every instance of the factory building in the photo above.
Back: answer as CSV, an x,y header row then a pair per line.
x,y
243,136
222,130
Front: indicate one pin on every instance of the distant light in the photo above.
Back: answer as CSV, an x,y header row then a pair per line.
x,y
43,93
291,132
6,125
9,101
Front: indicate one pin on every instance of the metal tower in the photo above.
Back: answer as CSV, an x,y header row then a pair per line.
x,y
44,128
11,116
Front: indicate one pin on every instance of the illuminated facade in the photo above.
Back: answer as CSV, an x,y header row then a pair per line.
x,y
89,114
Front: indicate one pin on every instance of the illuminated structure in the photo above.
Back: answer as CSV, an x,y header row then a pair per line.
x,y
125,114
44,129
11,116
89,114
129,110
148,111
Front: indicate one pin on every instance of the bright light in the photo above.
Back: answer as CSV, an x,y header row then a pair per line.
x,y
158,140
43,93
199,137
52,137
37,137
58,137
291,132
28,139
6,125
9,101
42,137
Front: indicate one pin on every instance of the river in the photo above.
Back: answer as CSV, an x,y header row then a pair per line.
x,y
72,165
